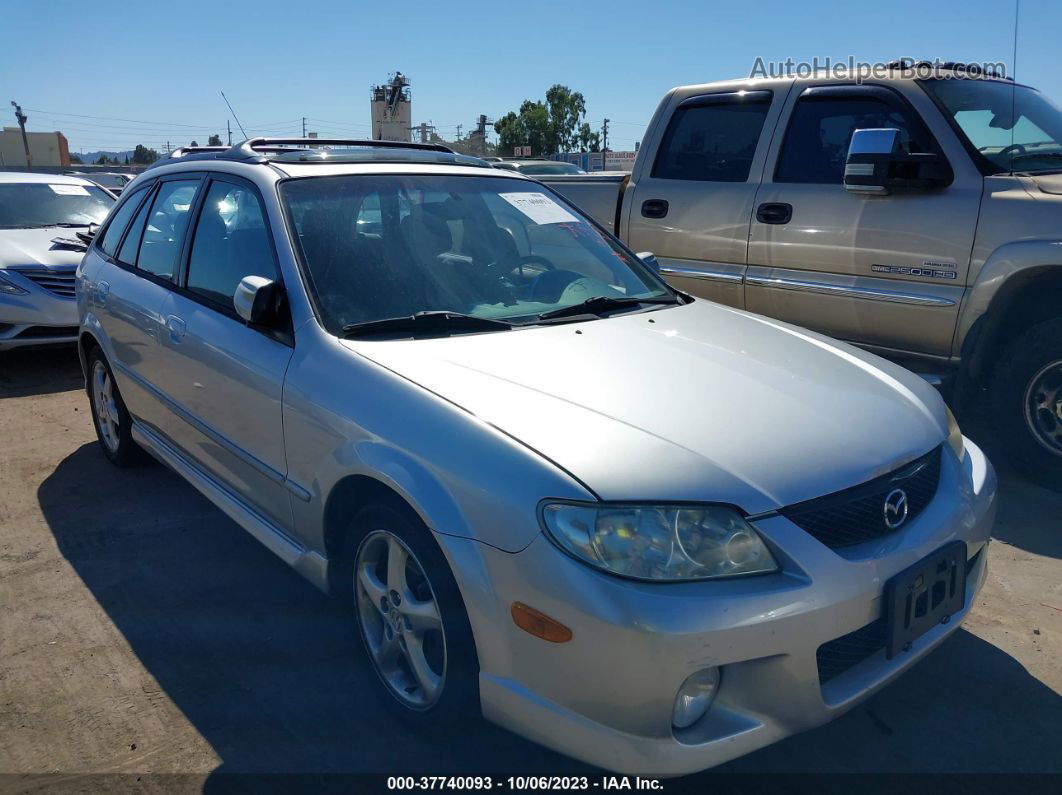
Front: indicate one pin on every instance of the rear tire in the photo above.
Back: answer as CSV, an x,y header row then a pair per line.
x,y
1025,396
113,424
419,645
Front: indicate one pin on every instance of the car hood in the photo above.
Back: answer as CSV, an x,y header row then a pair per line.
x,y
694,402
35,247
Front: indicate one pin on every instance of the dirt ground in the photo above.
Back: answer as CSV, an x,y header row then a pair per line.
x,y
141,631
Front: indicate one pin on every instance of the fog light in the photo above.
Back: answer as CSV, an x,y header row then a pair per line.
x,y
694,697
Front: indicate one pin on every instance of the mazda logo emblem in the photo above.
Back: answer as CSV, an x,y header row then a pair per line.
x,y
895,508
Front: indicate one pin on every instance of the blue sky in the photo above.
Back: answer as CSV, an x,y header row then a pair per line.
x,y
152,72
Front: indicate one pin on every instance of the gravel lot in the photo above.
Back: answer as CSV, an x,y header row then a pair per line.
x,y
142,631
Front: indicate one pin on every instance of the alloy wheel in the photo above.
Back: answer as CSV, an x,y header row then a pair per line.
x,y
1043,407
105,406
400,620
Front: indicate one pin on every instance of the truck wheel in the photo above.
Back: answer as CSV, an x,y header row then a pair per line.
x,y
411,619
1026,401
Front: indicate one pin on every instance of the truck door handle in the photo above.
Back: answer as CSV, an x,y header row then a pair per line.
x,y
774,213
654,208
176,327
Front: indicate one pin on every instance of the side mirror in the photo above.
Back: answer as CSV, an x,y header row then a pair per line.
x,y
648,259
876,164
257,300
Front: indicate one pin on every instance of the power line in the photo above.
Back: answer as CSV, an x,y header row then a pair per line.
x,y
112,118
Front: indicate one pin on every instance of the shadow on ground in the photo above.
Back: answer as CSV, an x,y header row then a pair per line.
x,y
25,372
266,669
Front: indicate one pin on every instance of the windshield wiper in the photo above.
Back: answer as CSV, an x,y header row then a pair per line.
x,y
602,303
431,322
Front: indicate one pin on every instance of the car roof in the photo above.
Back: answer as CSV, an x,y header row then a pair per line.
x,y
25,177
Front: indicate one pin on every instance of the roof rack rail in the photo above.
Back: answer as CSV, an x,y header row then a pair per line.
x,y
182,151
254,149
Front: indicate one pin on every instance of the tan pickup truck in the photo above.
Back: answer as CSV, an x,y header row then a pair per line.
x,y
918,218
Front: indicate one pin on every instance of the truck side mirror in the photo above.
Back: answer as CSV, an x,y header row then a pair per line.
x,y
257,300
648,259
877,164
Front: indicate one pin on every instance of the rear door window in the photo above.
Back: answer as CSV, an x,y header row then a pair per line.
x,y
165,227
712,140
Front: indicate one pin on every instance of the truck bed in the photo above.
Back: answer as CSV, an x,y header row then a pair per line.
x,y
594,194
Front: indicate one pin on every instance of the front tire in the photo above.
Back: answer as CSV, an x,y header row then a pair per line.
x,y
112,421
411,620
1026,402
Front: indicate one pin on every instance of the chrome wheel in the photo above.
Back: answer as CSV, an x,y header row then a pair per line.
x,y
400,620
106,409
1043,407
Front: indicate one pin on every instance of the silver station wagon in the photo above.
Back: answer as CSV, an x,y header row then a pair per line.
x,y
646,530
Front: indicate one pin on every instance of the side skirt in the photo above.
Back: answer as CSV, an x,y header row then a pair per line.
x,y
309,563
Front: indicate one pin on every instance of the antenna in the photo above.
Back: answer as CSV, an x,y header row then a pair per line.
x,y
233,114
1014,85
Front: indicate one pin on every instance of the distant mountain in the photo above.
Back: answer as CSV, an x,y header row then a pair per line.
x,y
91,157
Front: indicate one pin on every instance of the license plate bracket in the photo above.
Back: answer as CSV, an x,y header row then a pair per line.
x,y
924,595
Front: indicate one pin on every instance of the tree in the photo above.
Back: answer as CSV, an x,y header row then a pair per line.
x,y
589,141
566,108
194,143
143,156
76,160
530,127
101,160
214,140
547,127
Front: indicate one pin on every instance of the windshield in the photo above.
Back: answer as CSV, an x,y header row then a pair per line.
x,y
550,168
35,204
380,247
1015,128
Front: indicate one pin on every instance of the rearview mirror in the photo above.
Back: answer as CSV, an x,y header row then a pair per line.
x,y
877,164
257,300
648,258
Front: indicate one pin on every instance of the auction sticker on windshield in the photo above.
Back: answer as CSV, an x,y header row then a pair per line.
x,y
540,208
69,190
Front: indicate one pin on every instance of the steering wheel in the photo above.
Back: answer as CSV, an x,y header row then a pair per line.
x,y
1006,150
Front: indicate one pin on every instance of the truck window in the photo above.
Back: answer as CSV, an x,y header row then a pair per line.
x,y
816,143
711,142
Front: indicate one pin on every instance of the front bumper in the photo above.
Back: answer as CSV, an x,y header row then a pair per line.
x,y
606,696
38,318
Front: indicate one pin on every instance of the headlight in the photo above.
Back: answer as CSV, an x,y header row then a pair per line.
x,y
10,288
954,435
659,542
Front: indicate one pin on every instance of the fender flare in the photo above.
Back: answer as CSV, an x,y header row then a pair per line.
x,y
1001,277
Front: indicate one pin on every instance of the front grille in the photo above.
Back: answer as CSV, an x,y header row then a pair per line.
x,y
58,280
857,514
36,332
840,654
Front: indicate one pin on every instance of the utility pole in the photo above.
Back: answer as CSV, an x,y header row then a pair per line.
x,y
228,129
459,126
303,126
604,145
22,123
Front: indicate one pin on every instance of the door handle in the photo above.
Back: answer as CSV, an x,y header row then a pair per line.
x,y
774,213
654,208
176,327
